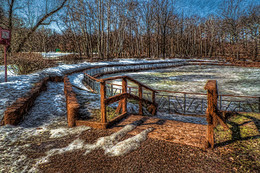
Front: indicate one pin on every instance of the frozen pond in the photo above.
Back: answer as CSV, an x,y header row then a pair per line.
x,y
231,80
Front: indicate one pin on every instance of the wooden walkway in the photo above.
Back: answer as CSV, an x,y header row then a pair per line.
x,y
168,130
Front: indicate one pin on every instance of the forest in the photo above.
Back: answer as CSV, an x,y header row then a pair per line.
x,y
132,29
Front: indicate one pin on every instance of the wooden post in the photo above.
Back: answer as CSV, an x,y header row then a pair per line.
x,y
124,90
5,62
72,110
140,93
220,102
258,104
153,97
111,91
184,106
154,103
102,101
211,113
169,104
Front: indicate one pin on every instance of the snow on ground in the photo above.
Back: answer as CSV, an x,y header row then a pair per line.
x,y
49,106
129,144
19,85
110,144
54,54
46,119
85,97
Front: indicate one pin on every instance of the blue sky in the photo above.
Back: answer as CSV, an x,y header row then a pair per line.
x,y
203,8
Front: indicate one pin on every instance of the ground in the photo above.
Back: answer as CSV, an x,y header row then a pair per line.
x,y
232,154
44,136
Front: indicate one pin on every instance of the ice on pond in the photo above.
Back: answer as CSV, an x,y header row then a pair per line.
x,y
231,80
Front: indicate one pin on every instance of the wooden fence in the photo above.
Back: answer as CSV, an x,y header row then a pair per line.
x,y
170,101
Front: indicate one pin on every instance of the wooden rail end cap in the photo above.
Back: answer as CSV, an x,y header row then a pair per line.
x,y
211,85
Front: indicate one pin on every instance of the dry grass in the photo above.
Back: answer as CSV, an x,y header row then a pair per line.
x,y
69,57
241,144
96,114
25,63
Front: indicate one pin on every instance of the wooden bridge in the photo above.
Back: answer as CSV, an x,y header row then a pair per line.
x,y
171,102
186,133
122,99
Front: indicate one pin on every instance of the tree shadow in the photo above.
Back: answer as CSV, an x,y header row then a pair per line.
x,y
255,120
236,132
159,122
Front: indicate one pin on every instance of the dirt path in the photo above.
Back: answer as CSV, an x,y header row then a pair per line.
x,y
172,131
153,156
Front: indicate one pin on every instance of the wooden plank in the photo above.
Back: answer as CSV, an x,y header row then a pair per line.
x,y
113,78
221,120
210,136
119,107
175,92
116,98
138,83
98,80
116,119
131,96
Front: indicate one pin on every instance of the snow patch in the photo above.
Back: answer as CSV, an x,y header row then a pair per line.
x,y
110,144
61,132
129,144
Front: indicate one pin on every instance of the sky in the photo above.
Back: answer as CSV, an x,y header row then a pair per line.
x,y
203,8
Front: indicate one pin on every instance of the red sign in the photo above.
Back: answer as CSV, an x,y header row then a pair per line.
x,y
5,36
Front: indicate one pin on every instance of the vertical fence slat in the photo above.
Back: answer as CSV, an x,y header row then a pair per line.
x,y
220,102
140,92
124,90
184,106
258,104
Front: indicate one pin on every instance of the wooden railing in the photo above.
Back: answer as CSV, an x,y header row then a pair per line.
x,y
192,103
170,101
122,97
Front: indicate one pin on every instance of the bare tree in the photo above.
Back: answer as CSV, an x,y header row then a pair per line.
x,y
39,23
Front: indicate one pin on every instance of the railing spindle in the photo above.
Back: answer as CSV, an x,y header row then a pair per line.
x,y
124,90
140,91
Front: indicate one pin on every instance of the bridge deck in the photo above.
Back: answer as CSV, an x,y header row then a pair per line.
x,y
169,130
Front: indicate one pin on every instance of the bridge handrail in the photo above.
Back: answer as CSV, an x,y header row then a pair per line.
x,y
224,99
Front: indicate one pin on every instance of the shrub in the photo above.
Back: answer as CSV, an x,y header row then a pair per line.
x,y
70,57
1,58
25,63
